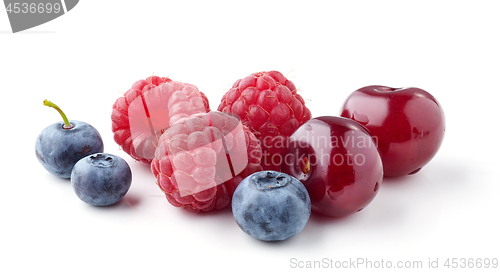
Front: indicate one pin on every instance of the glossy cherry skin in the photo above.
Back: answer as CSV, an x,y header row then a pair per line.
x,y
338,163
408,125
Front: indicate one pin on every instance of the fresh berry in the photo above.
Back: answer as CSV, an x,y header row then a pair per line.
x,y
271,206
59,146
408,123
101,179
201,159
338,162
150,107
270,106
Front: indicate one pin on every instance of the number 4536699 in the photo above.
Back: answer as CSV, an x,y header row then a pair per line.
x,y
471,263
34,8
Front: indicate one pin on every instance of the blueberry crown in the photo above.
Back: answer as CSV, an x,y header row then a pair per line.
x,y
267,180
101,160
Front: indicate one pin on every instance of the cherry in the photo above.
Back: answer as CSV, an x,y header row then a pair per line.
x,y
408,125
337,161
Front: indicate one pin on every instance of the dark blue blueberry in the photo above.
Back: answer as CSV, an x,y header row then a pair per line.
x,y
58,149
271,206
101,179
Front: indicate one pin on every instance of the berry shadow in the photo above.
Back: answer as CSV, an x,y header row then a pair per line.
x,y
401,182
452,173
453,170
140,169
126,203
211,218
223,214
215,222
313,233
144,167
321,219
43,173
129,201
403,179
59,179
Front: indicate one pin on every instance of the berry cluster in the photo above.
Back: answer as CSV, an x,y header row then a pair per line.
x,y
73,149
261,152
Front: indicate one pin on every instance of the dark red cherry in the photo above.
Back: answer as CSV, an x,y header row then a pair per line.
x,y
408,125
337,161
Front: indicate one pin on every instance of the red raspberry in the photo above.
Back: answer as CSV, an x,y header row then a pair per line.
x,y
270,106
200,160
148,108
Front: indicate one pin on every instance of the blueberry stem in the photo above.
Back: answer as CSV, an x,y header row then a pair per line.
x,y
67,124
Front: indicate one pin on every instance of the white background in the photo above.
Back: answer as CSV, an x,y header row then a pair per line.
x,y
86,59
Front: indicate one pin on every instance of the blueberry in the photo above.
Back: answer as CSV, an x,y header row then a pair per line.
x,y
58,148
101,179
271,206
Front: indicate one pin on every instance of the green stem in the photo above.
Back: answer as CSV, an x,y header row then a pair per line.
x,y
67,124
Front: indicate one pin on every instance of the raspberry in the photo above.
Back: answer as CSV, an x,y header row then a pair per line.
x,y
270,106
200,160
148,108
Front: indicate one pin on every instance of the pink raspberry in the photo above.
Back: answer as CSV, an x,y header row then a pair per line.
x,y
200,160
270,106
150,107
